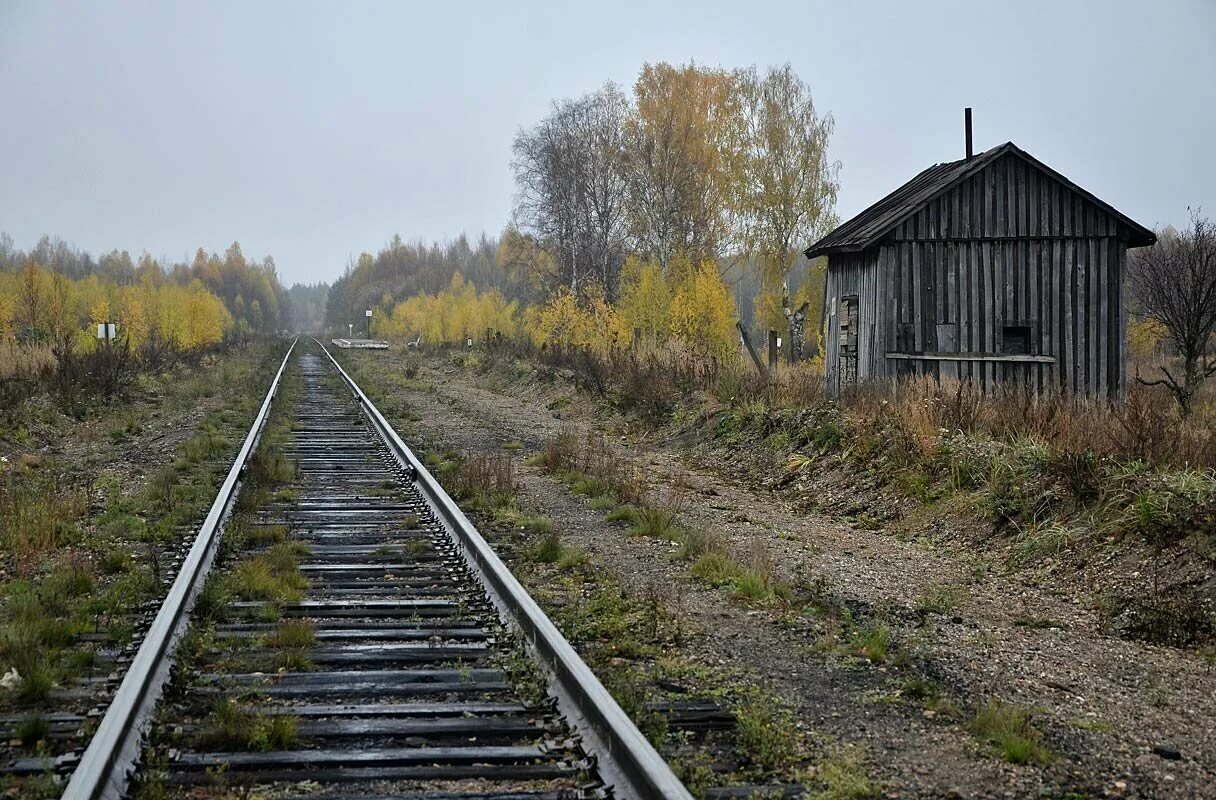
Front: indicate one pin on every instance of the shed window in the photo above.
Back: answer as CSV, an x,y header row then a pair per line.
x,y
1016,339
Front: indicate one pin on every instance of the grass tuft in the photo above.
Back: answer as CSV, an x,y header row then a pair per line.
x,y
292,633
549,550
872,641
715,568
621,514
32,730
842,775
230,727
653,521
274,575
1009,730
767,732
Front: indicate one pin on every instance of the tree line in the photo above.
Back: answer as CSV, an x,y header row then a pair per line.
x,y
699,163
682,203
54,294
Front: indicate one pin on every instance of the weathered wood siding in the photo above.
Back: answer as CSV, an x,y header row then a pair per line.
x,y
855,275
1009,246
1010,198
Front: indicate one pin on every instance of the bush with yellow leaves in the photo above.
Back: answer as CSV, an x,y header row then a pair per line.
x,y
703,313
43,306
456,313
645,299
592,324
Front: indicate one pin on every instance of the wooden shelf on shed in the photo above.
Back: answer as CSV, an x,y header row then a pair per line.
x,y
999,357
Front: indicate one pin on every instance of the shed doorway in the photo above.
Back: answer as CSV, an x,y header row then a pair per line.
x,y
848,339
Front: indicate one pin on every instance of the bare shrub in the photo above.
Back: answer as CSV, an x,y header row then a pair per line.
x,y
646,388
488,479
1144,429
82,377
799,386
1174,283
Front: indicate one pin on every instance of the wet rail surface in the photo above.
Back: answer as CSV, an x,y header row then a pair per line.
x,y
404,687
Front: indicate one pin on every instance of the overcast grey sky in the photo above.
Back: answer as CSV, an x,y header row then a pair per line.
x,y
311,131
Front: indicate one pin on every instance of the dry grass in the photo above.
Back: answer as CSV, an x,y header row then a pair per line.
x,y
36,516
18,361
591,468
485,481
1148,427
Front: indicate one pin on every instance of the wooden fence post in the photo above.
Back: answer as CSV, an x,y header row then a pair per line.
x,y
751,351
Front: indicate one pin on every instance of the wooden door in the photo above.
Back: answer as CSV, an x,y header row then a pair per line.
x,y
849,327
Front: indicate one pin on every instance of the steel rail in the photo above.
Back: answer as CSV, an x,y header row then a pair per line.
x,y
107,763
625,760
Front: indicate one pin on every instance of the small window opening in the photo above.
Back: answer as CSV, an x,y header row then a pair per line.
x,y
1015,340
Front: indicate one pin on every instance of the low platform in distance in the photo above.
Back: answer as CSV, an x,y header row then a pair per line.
x,y
360,344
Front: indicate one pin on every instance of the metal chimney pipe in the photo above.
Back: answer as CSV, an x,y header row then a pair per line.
x,y
967,125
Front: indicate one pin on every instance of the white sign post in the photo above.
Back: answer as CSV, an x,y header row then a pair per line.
x,y
368,314
107,331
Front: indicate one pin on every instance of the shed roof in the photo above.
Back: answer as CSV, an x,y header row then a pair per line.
x,y
876,221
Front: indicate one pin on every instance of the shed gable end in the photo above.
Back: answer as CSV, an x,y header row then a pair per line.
x,y
1009,198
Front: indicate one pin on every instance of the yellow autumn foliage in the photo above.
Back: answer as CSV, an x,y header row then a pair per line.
x,y
41,305
8,309
645,299
456,313
688,301
703,313
1144,338
592,324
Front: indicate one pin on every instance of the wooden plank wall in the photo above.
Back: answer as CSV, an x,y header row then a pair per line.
x,y
1009,198
1068,291
1008,246
856,274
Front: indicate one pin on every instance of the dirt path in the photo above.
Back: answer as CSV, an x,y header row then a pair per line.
x,y
1102,702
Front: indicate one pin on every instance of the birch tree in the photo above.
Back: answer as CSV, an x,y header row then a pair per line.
x,y
571,191
679,164
787,186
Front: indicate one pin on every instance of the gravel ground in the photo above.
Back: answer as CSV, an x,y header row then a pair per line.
x,y
1103,703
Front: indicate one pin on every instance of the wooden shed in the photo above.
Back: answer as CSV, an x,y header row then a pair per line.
x,y
994,268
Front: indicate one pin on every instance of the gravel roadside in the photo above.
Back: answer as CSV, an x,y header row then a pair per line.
x,y
1114,713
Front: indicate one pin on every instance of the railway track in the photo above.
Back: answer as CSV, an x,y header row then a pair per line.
x,y
402,660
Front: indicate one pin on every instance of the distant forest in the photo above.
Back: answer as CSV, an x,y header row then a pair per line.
x,y
249,289
306,303
626,203
400,270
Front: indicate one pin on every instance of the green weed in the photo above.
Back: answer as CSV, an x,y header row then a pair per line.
x,y
653,521
843,775
32,730
623,513
549,550
872,641
943,598
766,732
1008,729
292,633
